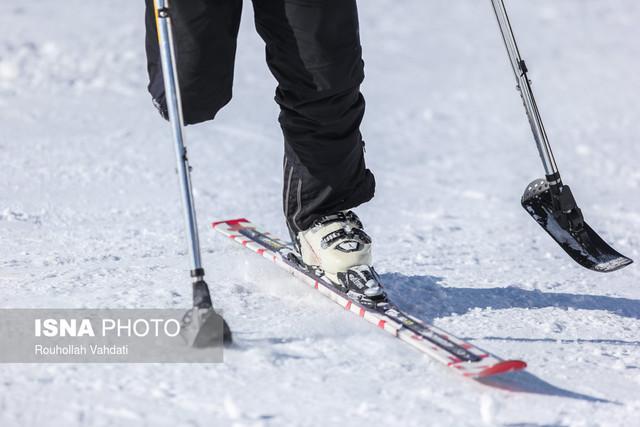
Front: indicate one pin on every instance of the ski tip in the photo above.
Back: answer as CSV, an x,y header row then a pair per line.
x,y
229,222
502,367
612,264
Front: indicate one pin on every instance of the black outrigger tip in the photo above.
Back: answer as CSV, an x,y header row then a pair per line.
x,y
202,326
555,209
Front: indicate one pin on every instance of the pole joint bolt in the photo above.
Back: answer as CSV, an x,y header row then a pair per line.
x,y
523,67
197,273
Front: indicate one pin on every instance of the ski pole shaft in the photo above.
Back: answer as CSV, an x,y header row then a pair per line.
x,y
524,87
174,107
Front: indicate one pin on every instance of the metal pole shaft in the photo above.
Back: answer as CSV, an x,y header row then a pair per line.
x,y
174,106
524,87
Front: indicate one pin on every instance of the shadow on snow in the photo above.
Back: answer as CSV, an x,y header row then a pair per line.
x,y
425,298
525,382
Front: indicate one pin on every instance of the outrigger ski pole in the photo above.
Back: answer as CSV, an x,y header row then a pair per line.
x,y
201,326
548,200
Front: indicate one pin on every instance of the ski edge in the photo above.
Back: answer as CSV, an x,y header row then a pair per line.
x,y
497,367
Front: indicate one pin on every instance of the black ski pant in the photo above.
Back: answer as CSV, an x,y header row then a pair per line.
x,y
313,50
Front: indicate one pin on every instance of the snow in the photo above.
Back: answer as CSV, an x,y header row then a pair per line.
x,y
90,217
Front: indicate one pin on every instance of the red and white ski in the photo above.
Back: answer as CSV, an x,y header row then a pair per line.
x,y
463,357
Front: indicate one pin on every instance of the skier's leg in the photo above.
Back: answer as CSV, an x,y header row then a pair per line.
x,y
313,50
205,34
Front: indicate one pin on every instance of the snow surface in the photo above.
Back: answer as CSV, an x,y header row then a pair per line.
x,y
90,217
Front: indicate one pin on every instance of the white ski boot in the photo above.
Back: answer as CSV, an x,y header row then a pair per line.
x,y
338,245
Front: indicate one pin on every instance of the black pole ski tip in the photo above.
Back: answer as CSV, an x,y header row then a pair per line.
x,y
202,326
555,209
